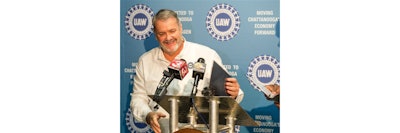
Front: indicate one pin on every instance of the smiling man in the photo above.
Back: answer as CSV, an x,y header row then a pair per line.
x,y
149,71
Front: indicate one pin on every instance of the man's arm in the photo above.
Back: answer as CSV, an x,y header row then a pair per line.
x,y
139,99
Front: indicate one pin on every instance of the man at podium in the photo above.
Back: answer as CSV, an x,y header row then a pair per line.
x,y
152,64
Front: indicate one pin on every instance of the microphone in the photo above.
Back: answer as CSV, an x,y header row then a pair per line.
x,y
199,68
162,86
198,73
177,69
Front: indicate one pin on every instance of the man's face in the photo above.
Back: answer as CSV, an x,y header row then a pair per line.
x,y
169,34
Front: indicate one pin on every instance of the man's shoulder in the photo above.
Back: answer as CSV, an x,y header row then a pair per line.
x,y
150,54
198,46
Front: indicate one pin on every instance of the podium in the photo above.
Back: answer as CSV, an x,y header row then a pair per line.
x,y
220,113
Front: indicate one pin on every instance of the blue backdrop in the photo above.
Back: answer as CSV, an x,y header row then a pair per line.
x,y
245,33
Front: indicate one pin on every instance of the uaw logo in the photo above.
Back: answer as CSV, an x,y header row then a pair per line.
x,y
263,70
135,126
138,21
223,22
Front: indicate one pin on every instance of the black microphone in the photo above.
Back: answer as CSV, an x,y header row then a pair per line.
x,y
198,73
162,86
177,69
199,68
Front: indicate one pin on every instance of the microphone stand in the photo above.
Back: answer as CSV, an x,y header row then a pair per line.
x,y
193,112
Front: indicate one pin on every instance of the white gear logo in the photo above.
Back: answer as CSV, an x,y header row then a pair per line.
x,y
135,126
263,70
138,22
223,22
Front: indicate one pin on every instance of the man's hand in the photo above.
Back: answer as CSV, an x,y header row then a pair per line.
x,y
275,90
152,119
232,87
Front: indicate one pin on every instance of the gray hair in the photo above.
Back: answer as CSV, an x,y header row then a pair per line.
x,y
165,14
